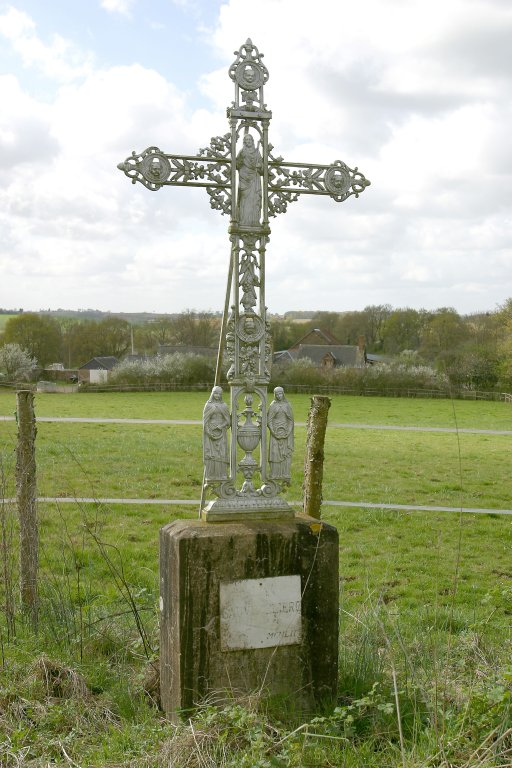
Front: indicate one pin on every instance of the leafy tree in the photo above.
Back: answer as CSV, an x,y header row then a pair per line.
x,y
485,328
15,362
505,311
351,325
284,333
144,341
113,336
79,342
161,330
472,368
505,347
403,330
84,339
195,329
38,335
443,335
375,315
326,321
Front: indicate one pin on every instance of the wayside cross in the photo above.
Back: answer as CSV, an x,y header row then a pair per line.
x,y
249,184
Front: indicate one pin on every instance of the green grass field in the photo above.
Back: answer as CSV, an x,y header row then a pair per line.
x,y
164,461
425,598
466,414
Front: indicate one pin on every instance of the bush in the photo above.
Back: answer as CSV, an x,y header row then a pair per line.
x,y
398,376
177,368
16,363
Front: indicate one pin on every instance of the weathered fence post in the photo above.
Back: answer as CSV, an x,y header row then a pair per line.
x,y
314,458
26,501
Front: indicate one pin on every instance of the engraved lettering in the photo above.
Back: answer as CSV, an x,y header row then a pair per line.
x,y
260,613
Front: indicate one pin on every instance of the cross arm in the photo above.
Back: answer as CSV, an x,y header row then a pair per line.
x,y
289,180
156,169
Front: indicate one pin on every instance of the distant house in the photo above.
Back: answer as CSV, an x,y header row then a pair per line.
x,y
333,355
96,371
325,351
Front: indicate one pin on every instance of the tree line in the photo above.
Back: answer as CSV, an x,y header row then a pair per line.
x,y
73,342
473,350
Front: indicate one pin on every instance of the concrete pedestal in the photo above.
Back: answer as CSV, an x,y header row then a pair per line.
x,y
246,607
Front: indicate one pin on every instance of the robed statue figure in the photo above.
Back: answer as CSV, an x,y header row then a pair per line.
x,y
216,421
250,168
280,425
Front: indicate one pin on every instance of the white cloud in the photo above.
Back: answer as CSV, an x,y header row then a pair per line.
x,y
123,7
418,95
25,129
60,60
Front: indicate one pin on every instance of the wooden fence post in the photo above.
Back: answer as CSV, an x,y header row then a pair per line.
x,y
314,458
26,501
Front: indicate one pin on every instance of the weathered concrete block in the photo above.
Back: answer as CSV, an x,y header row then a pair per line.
x,y
270,634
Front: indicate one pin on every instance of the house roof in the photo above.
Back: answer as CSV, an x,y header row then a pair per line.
x,y
378,358
282,356
342,354
322,337
99,364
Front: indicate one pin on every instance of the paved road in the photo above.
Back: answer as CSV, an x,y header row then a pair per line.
x,y
297,504
332,425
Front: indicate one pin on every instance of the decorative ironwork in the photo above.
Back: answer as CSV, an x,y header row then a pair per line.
x,y
278,201
245,181
220,199
249,75
249,58
154,170
336,180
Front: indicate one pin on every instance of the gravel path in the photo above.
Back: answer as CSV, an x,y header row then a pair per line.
x,y
296,504
333,425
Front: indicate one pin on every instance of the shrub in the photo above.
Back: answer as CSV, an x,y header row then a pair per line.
x,y
16,363
177,368
395,376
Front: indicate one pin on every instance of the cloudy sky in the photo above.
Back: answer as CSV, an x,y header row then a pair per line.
x,y
416,93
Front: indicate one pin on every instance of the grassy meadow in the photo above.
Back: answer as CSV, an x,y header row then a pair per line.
x,y
464,414
362,465
425,598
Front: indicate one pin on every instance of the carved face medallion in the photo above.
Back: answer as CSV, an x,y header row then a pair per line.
x,y
156,168
250,328
337,180
249,76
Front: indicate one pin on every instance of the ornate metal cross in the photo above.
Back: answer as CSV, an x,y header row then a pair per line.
x,y
245,181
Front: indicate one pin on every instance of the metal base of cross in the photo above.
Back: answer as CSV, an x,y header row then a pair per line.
x,y
237,508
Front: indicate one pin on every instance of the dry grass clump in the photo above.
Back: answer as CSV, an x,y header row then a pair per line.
x,y
45,703
217,734
58,680
151,682
190,748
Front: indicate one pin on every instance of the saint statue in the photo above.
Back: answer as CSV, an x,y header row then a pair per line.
x,y
280,424
216,421
249,164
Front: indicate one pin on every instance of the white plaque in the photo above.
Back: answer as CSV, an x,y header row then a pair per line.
x,y
260,613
